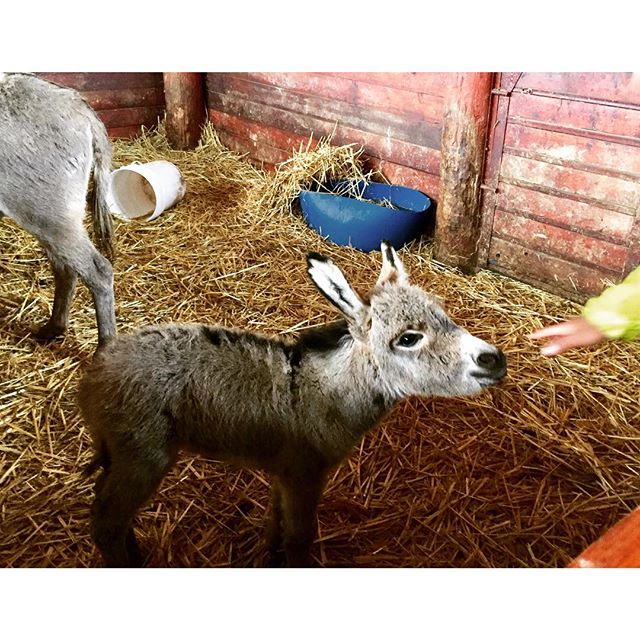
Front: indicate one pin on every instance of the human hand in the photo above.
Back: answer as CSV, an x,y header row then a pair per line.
x,y
576,332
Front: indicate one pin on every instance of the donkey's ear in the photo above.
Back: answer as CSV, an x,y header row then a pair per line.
x,y
332,283
392,268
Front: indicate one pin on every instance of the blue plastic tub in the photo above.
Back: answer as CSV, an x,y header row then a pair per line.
x,y
347,221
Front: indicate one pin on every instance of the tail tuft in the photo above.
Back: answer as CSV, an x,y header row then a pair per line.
x,y
102,226
100,459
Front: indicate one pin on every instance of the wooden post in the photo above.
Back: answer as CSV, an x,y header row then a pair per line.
x,y
464,134
618,547
186,112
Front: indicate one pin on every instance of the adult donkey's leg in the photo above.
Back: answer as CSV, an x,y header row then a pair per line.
x,y
75,254
96,272
65,282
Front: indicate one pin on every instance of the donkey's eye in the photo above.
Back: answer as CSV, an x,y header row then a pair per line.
x,y
409,339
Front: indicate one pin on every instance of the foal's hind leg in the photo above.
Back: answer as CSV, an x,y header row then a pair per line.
x,y
65,282
120,492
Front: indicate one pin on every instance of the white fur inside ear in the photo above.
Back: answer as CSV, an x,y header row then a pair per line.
x,y
331,281
392,267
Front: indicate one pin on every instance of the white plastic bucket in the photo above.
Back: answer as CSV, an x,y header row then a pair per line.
x,y
141,189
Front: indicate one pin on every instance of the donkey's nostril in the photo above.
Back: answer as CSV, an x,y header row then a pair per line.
x,y
487,359
491,360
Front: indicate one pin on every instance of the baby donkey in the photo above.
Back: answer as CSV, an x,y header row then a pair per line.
x,y
292,408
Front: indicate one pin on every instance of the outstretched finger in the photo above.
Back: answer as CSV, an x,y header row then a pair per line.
x,y
556,347
563,329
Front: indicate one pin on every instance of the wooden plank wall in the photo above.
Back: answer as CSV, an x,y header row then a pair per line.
x,y
396,117
566,212
566,159
124,101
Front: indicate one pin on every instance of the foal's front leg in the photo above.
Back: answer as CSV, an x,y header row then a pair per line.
x,y
300,497
274,526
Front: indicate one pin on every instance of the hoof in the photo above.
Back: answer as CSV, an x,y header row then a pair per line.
x,y
103,341
136,557
276,559
48,332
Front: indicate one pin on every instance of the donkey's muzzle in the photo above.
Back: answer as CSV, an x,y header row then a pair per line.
x,y
492,366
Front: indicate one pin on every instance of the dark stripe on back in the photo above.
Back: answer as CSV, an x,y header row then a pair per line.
x,y
150,331
211,334
216,335
323,339
326,337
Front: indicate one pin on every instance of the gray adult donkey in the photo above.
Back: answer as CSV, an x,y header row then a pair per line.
x,y
292,408
49,140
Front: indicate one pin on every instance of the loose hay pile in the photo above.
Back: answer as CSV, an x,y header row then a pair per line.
x,y
307,168
526,475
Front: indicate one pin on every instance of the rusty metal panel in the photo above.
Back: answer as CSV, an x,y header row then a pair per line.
x,y
622,121
566,278
562,243
570,149
565,213
610,87
591,187
562,180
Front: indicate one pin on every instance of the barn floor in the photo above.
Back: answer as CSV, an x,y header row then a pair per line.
x,y
524,476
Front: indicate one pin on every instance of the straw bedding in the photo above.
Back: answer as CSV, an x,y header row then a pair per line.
x,y
526,475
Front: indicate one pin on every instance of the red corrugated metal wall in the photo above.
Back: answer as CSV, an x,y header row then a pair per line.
x,y
396,117
565,167
124,101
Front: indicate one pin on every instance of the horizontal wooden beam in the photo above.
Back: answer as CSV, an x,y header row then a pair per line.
x,y
587,219
364,90
596,155
271,145
430,83
260,153
600,190
292,111
396,151
122,98
95,81
147,116
125,132
408,177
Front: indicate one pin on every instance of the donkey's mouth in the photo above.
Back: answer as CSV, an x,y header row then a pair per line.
x,y
490,381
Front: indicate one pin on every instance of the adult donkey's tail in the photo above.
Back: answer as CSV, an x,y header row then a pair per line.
x,y
102,226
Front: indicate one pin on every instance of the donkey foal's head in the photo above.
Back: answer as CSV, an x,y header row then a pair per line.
x,y
416,348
